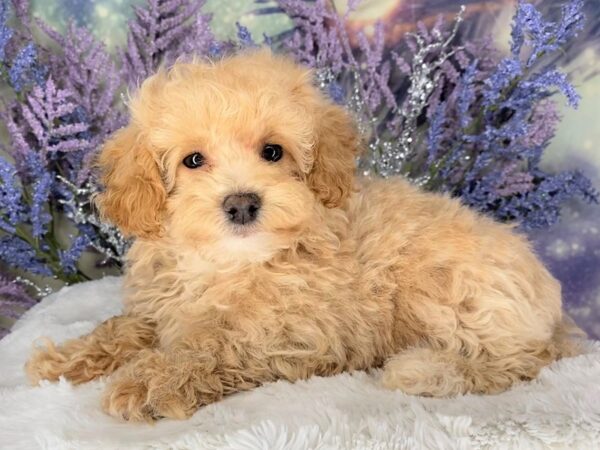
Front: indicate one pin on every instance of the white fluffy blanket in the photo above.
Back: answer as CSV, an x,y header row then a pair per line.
x,y
559,410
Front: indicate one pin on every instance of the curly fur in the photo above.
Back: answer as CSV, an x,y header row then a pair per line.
x,y
336,275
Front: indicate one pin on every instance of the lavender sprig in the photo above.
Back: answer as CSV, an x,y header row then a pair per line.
x,y
160,32
492,160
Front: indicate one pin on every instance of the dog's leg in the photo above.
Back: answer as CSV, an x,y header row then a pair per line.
x,y
174,383
99,353
444,373
424,371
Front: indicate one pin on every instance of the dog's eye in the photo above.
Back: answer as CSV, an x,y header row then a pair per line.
x,y
193,160
272,152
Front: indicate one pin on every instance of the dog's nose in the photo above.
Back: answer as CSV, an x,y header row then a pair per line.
x,y
242,208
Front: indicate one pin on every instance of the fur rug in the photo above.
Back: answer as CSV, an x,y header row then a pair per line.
x,y
559,410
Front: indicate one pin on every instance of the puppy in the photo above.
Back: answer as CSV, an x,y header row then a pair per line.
x,y
258,257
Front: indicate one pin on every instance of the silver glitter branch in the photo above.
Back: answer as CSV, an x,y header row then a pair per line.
x,y
40,291
107,240
424,77
386,157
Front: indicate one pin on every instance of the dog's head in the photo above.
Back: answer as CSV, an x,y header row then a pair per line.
x,y
229,157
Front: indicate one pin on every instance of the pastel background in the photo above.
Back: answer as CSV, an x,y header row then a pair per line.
x,y
572,248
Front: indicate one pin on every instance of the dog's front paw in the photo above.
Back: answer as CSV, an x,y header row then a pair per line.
x,y
51,362
126,398
131,399
147,394
76,360
46,364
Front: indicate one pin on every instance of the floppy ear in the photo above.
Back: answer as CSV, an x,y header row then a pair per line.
x,y
134,193
336,148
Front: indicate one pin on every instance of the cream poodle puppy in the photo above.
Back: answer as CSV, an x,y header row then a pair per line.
x,y
258,256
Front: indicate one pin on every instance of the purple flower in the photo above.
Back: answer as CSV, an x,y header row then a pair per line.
x,y
542,82
47,114
337,92
215,49
491,160
160,33
17,253
267,40
377,72
21,8
31,167
401,64
543,37
69,258
525,18
24,69
11,207
39,216
507,72
201,41
514,180
436,132
89,84
319,39
5,32
244,36
542,125
42,132
540,207
466,93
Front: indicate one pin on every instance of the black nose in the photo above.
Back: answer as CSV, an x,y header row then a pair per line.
x,y
241,208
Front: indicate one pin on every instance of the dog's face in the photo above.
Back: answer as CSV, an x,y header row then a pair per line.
x,y
228,159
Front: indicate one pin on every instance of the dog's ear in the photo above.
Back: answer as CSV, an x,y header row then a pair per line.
x,y
336,147
134,194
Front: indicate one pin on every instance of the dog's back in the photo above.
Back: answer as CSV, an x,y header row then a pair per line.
x,y
475,309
